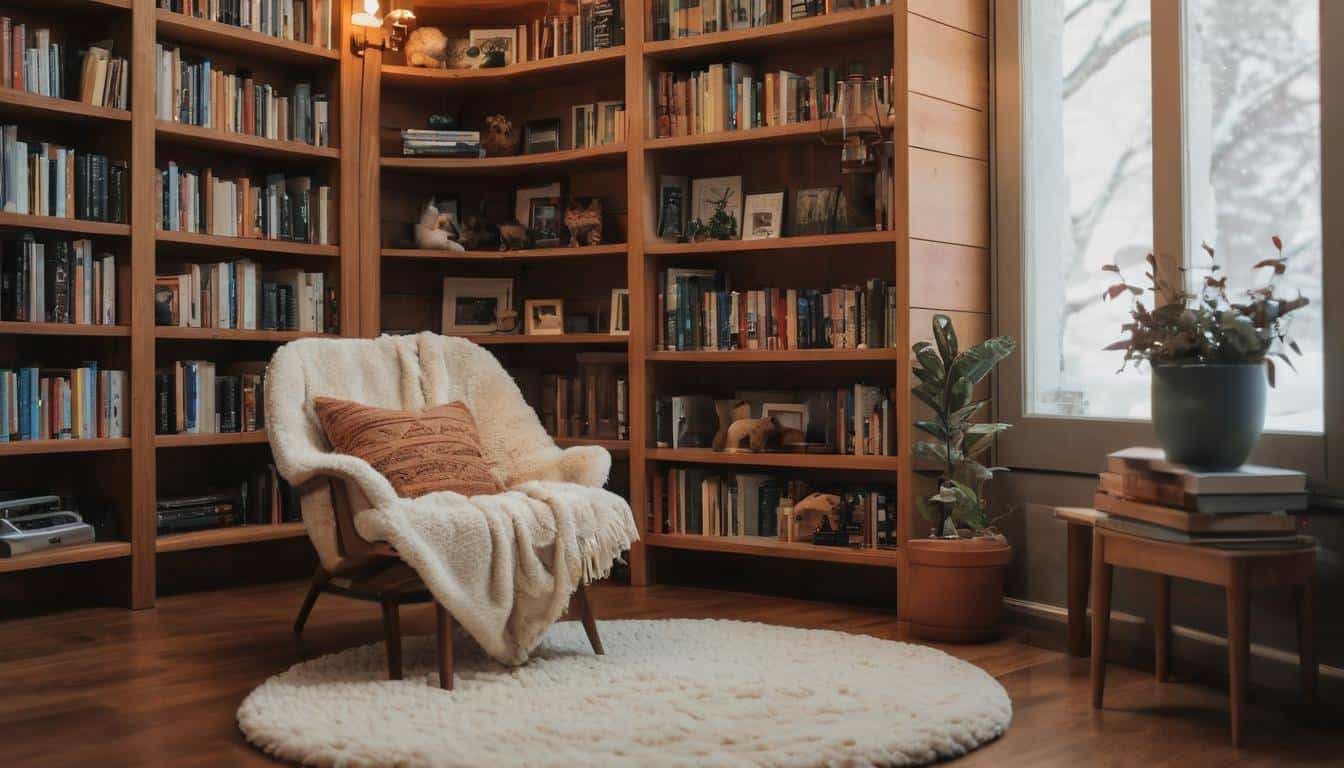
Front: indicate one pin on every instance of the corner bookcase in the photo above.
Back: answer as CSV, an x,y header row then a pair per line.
x,y
130,473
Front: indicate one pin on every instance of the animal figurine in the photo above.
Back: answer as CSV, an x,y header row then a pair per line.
x,y
427,47
434,230
475,234
499,138
584,222
728,412
809,514
514,236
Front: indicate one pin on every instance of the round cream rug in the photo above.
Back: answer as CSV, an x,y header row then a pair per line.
x,y
674,692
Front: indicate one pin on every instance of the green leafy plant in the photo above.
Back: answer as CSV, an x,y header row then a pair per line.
x,y
1207,327
947,378
722,225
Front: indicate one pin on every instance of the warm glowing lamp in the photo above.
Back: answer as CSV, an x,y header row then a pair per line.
x,y
399,19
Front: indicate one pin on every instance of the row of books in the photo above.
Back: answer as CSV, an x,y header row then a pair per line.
x,y
594,26
280,208
732,97
427,142
1250,507
57,282
43,179
701,311
62,403
238,294
303,21
597,124
263,499
853,420
673,19
34,64
191,397
196,93
592,402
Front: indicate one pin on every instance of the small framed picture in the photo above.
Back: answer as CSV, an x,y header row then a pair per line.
x,y
545,317
522,199
787,414
610,122
541,136
814,210
672,193
545,219
472,304
495,44
620,312
709,196
583,126
763,216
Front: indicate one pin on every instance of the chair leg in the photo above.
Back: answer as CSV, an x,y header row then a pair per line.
x,y
392,634
1101,615
444,645
589,623
320,580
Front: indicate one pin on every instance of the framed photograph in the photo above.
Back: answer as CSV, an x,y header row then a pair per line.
x,y
472,304
814,210
582,126
546,220
763,216
739,13
496,41
707,195
541,136
787,414
620,312
545,317
672,192
610,120
522,199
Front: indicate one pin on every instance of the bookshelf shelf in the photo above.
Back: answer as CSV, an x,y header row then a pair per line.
x,y
230,334
616,447
33,105
245,42
255,437
830,461
223,537
840,27
241,143
108,5
761,546
41,447
523,75
63,329
792,133
79,553
54,224
563,338
251,244
777,356
569,159
839,240
616,249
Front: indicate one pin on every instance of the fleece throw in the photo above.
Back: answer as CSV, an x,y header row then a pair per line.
x,y
505,565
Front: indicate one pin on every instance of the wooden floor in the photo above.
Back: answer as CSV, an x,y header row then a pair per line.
x,y
159,687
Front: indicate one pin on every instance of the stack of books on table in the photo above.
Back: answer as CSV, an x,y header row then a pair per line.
x,y
1145,495
425,142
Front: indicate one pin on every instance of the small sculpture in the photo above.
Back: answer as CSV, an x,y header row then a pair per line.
x,y
513,237
434,230
499,139
584,222
475,234
427,47
816,512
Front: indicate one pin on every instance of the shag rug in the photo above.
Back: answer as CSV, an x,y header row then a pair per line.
x,y
667,693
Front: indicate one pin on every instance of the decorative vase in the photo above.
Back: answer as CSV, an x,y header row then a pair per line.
x,y
956,588
1209,415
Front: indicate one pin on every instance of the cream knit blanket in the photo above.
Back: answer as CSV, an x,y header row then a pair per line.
x,y
504,565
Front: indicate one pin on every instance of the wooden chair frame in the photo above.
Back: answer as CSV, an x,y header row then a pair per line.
x,y
374,572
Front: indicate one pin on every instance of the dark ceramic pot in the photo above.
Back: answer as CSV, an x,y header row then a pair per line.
x,y
1209,416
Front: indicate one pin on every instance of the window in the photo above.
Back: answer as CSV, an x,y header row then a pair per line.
x,y
1088,159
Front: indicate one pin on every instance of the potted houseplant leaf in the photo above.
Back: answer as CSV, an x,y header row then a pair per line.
x,y
1212,358
957,573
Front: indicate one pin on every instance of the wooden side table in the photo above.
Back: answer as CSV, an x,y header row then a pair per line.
x,y
1236,571
1080,521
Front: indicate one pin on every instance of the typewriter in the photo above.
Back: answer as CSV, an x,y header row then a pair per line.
x,y
33,523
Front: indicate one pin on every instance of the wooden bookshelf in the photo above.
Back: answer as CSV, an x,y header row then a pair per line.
x,y
24,104
558,339
804,242
100,5
212,35
762,546
792,133
38,447
618,448
62,329
241,143
23,221
840,27
778,356
248,244
568,159
224,537
586,252
828,461
255,437
528,74
229,334
77,553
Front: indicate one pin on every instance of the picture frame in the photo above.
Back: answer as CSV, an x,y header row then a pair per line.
x,y
471,305
503,40
787,414
814,210
763,216
541,136
523,196
546,219
706,192
545,317
610,115
620,312
673,196
582,126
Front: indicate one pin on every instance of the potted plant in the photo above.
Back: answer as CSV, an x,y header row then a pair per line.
x,y
1211,359
957,573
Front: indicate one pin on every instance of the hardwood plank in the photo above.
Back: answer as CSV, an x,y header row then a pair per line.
x,y
32,105
793,133
255,146
54,224
947,276
608,154
947,127
229,334
224,537
564,338
34,447
610,249
832,461
947,63
840,27
776,356
969,15
949,200
184,440
528,74
771,244
62,329
249,244
245,42
78,553
763,546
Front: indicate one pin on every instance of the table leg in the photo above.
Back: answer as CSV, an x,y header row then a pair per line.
x,y
1238,644
1079,577
1101,615
1306,636
1162,625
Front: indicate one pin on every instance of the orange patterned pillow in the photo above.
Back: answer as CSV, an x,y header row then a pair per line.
x,y
437,449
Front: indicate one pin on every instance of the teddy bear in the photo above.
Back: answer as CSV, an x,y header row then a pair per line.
x,y
584,222
809,513
427,47
499,139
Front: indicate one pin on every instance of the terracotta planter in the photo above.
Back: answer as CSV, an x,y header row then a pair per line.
x,y
956,588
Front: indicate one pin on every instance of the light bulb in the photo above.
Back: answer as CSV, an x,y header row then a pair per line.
x,y
371,7
369,18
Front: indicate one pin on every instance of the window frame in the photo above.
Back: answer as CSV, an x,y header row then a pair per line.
x,y
1079,445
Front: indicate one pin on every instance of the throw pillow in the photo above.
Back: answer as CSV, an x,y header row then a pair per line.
x,y
437,449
